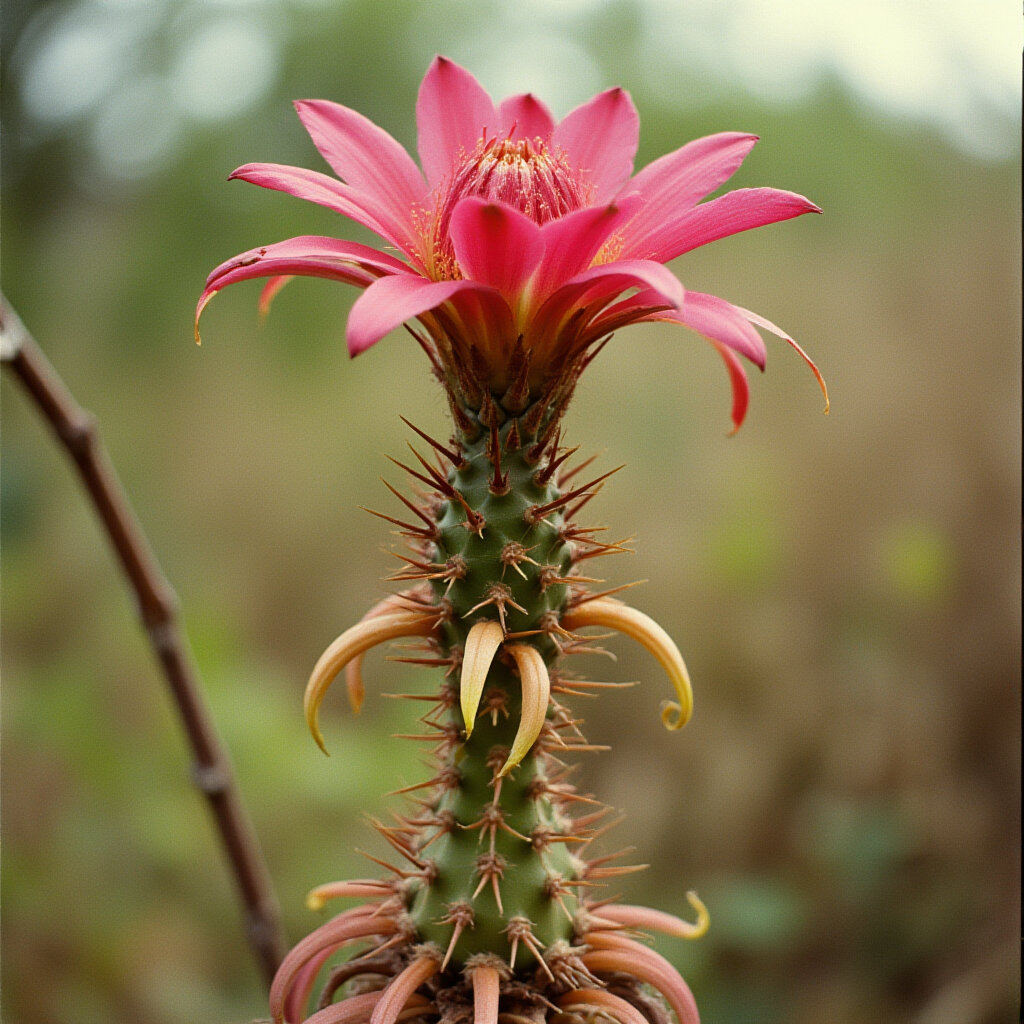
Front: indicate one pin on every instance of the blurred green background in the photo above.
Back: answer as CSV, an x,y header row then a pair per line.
x,y
846,590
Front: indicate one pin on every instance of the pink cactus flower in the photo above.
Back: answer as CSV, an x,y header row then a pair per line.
x,y
522,239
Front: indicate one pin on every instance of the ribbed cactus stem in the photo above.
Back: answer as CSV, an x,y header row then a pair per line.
x,y
498,855
500,851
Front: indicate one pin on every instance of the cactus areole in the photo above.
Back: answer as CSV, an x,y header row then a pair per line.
x,y
525,244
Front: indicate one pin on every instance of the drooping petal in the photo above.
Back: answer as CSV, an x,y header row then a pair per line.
x,y
304,256
599,285
453,111
650,967
496,245
360,888
679,180
380,310
572,242
397,994
482,644
536,687
359,923
720,321
524,117
613,614
353,642
658,920
767,325
599,138
365,156
302,986
335,195
358,1009
640,306
351,1010
739,383
486,990
354,684
602,1001
737,211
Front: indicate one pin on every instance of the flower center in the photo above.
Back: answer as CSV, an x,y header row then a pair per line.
x,y
525,174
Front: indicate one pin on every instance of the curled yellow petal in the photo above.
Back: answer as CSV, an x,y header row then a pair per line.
x,y
536,693
481,645
642,628
658,920
354,669
354,684
351,644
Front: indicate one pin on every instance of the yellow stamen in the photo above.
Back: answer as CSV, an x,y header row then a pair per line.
x,y
536,694
481,645
353,642
615,615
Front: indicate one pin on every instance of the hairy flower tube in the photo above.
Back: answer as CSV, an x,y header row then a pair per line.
x,y
522,245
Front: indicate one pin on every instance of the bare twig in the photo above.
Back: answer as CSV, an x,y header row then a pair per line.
x,y
211,769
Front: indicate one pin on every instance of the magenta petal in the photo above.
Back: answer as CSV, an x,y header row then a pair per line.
x,y
596,287
600,139
679,180
495,245
730,214
365,156
327,191
305,256
767,325
719,321
381,309
572,242
452,111
524,117
739,383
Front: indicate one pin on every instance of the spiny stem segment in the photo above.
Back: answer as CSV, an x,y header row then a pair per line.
x,y
492,875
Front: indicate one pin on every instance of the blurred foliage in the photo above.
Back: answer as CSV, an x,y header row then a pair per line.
x,y
847,591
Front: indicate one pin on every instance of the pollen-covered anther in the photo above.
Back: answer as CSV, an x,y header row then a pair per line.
x,y
616,615
536,687
353,643
482,644
512,554
500,596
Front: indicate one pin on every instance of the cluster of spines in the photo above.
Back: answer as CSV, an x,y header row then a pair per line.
x,y
491,865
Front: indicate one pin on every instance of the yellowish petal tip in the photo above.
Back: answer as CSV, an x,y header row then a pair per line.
x,y
703,922
314,901
642,628
672,715
482,644
536,684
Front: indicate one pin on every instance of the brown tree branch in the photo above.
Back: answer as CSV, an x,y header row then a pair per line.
x,y
158,608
